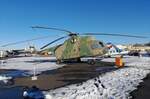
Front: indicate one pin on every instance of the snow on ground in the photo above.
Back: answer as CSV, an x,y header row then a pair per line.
x,y
111,85
140,62
30,64
137,62
4,79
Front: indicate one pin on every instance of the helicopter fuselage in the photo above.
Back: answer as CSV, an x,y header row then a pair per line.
x,y
80,46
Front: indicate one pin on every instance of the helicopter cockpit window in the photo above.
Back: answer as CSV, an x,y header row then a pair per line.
x,y
101,44
74,40
96,45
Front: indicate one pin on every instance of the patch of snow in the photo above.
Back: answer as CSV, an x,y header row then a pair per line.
x,y
139,62
29,63
4,78
133,61
111,85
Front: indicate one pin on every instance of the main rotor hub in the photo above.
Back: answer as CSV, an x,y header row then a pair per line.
x,y
73,34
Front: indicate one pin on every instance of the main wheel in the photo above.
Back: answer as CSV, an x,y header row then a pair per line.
x,y
78,60
59,61
91,61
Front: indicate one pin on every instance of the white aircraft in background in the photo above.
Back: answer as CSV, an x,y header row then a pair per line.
x,y
3,53
115,50
17,52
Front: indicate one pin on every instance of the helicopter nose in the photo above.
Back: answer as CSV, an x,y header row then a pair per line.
x,y
105,50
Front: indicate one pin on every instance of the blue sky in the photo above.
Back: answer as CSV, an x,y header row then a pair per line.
x,y
110,16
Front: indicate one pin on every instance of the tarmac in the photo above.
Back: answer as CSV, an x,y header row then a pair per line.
x,y
71,73
143,91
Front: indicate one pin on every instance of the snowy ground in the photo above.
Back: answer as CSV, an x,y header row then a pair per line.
x,y
4,79
30,64
112,85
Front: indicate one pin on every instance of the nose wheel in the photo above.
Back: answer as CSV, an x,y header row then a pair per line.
x,y
79,60
91,61
59,61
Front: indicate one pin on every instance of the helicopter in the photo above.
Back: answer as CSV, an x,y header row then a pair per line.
x,y
77,46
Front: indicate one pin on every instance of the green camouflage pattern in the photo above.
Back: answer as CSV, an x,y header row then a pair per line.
x,y
79,46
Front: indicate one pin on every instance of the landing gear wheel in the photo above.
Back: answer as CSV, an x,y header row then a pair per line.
x,y
59,61
78,60
91,61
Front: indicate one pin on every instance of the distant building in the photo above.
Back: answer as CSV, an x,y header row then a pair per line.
x,y
3,53
116,50
138,48
30,49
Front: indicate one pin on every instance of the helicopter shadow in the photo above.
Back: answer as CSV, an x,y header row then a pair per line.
x,y
82,76
78,73
42,61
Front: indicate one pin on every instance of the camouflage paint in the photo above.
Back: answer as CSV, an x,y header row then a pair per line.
x,y
80,48
84,46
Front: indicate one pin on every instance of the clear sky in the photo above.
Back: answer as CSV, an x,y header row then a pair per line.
x,y
109,16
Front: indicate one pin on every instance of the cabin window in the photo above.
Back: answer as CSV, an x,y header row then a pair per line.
x,y
101,44
96,45
73,40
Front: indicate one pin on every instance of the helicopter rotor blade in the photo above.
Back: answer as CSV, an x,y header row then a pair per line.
x,y
24,41
53,42
111,34
58,29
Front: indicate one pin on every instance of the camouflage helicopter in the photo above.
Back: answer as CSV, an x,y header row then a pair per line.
x,y
77,45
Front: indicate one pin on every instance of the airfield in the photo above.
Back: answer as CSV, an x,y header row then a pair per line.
x,y
72,80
